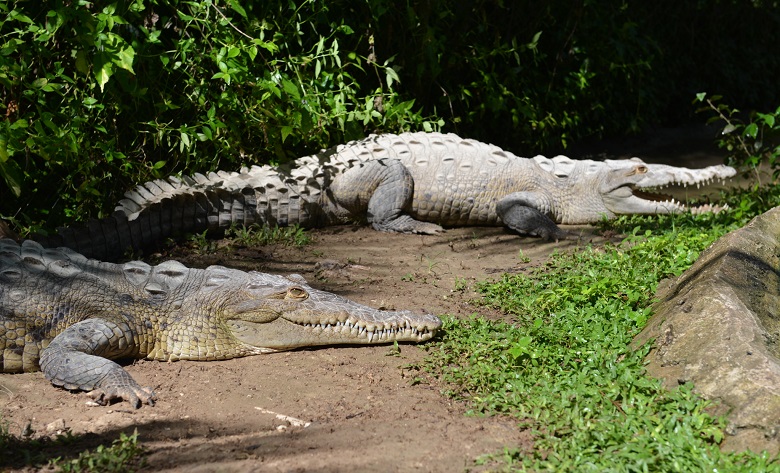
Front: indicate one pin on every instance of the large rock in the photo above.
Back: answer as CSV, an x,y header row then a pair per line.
x,y
717,326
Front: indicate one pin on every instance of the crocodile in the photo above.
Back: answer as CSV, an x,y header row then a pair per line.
x,y
410,183
70,316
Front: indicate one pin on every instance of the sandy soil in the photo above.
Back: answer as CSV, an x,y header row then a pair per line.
x,y
322,410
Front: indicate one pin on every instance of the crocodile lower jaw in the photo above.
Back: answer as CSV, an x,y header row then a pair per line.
x,y
681,206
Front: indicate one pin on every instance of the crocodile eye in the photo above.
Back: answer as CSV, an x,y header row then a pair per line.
x,y
641,169
296,293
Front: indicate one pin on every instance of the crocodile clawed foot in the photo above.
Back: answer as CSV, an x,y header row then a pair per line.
x,y
429,229
135,395
555,234
578,237
406,224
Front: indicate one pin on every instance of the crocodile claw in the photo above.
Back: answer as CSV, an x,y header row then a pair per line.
x,y
135,395
406,224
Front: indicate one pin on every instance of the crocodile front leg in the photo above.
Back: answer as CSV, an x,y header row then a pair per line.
x,y
78,358
381,192
520,212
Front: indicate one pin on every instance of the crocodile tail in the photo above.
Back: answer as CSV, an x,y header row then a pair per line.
x,y
152,192
260,194
172,215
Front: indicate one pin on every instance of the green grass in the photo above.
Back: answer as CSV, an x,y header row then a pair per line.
x,y
249,236
19,451
124,455
259,235
563,368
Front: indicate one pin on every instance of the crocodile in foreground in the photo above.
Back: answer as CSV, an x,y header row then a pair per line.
x,y
69,316
411,183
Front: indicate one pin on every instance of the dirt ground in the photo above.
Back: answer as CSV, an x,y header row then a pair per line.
x,y
322,410
330,409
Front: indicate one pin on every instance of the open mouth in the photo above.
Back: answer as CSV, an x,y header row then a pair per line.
x,y
653,196
694,208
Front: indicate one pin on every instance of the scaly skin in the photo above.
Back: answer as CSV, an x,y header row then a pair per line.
x,y
411,183
70,316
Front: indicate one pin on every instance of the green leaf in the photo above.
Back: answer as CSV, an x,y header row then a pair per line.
x,y
269,46
520,347
222,75
121,53
39,83
125,58
751,130
286,130
47,121
391,76
534,41
103,69
275,90
767,118
291,89
236,6
11,174
3,149
81,62
15,15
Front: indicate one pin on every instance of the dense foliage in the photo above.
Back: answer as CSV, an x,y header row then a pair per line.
x,y
97,96
533,76
749,144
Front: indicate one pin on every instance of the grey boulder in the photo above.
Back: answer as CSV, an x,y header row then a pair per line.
x,y
717,326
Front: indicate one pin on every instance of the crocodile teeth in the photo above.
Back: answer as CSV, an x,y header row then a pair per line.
x,y
372,335
708,208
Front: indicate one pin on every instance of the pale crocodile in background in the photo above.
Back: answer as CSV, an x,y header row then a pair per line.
x,y
69,316
410,183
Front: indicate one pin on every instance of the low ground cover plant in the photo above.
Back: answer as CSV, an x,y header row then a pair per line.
x,y
562,367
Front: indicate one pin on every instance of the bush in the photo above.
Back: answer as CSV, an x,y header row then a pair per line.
x,y
534,77
99,96
749,144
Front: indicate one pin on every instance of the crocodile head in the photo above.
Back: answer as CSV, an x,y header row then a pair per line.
x,y
586,191
274,313
632,186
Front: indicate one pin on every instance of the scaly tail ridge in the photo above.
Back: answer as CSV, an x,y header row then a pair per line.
x,y
170,215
